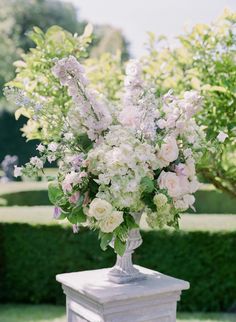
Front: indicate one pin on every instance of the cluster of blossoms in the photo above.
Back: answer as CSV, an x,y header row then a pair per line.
x,y
111,166
90,113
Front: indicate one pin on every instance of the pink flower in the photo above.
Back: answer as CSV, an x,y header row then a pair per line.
x,y
86,199
75,197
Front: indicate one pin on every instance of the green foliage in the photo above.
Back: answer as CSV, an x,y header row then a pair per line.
x,y
207,260
106,73
41,85
204,61
54,193
147,185
42,13
119,246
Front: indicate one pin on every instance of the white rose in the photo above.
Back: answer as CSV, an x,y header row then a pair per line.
x,y
169,150
111,222
222,136
99,208
170,181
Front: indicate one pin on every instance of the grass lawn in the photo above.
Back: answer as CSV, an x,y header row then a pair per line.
x,y
188,222
50,313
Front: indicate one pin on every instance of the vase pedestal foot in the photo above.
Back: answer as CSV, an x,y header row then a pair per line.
x,y
91,296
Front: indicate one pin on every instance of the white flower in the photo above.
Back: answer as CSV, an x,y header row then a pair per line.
x,y
40,147
51,158
169,150
130,116
17,171
133,68
99,208
52,146
222,136
37,162
161,123
68,136
181,205
160,200
171,182
187,153
111,222
189,199
70,179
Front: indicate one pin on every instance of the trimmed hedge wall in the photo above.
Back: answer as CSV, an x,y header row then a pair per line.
x,y
207,202
31,256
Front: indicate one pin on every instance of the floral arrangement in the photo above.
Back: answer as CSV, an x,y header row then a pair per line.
x,y
136,156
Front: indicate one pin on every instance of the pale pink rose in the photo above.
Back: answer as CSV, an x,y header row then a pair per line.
x,y
184,184
194,185
190,167
169,151
75,197
171,182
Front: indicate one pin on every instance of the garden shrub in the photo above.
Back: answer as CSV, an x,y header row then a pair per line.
x,y
31,256
27,198
207,201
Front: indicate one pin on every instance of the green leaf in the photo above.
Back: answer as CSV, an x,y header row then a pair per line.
x,y
119,246
130,222
77,215
106,238
85,142
54,193
147,185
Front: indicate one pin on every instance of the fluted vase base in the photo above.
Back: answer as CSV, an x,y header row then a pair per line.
x,y
124,271
119,276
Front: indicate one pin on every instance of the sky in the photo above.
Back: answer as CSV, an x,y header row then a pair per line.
x,y
135,17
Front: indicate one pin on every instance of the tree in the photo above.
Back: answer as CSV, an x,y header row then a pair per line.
x,y
204,61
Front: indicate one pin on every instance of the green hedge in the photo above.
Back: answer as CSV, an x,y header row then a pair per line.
x,y
31,256
27,198
207,201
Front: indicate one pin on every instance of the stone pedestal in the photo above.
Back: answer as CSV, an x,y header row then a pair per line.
x,y
91,297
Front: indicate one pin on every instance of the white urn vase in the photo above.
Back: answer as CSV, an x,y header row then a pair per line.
x,y
124,271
